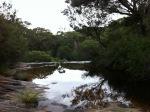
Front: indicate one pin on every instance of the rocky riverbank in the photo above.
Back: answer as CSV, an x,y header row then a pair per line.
x,y
9,102
9,89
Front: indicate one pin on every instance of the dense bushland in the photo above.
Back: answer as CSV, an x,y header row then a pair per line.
x,y
121,45
19,43
126,50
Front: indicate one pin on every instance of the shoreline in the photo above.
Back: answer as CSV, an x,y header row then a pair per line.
x,y
10,103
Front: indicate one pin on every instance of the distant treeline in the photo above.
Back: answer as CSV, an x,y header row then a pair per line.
x,y
121,45
19,43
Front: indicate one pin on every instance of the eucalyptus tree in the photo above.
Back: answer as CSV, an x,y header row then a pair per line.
x,y
12,35
86,20
94,13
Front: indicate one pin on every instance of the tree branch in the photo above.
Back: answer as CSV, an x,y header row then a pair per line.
x,y
125,3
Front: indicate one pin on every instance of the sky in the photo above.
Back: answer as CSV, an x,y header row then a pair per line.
x,y
42,13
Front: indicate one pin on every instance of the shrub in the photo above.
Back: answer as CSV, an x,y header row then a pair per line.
x,y
64,52
126,51
21,76
89,49
131,55
3,69
13,43
29,97
37,56
55,59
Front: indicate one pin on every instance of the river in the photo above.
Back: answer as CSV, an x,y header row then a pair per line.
x,y
71,86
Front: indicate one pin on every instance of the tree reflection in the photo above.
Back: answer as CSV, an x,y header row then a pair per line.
x,y
98,95
90,96
37,72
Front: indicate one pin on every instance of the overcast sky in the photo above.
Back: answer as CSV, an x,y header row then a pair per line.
x,y
42,13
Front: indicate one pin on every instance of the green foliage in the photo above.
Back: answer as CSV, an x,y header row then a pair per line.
x,y
89,49
69,45
21,76
95,13
147,24
3,69
12,37
130,54
62,45
37,56
64,52
29,97
40,39
126,47
18,43
12,44
126,50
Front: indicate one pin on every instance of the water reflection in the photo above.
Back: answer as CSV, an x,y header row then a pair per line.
x,y
91,96
134,89
98,95
75,88
73,85
61,86
35,72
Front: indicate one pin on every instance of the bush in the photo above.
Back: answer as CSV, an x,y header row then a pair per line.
x,y
89,49
55,59
21,76
37,56
64,52
126,51
3,69
29,97
130,54
13,42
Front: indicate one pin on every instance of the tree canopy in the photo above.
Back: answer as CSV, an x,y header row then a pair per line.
x,y
97,12
12,36
126,7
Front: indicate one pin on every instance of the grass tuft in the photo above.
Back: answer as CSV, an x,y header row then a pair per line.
x,y
29,97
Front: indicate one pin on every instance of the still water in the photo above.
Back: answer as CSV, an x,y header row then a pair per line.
x,y
61,85
71,86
